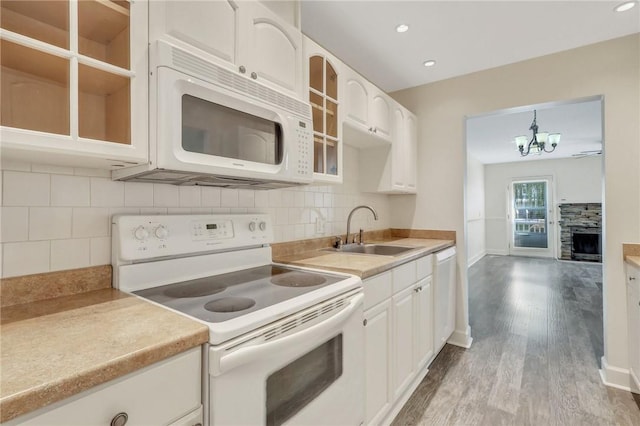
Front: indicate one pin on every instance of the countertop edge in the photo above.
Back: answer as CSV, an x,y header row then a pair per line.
x,y
393,261
633,260
18,404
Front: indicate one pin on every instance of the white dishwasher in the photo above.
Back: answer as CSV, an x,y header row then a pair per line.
x,y
444,268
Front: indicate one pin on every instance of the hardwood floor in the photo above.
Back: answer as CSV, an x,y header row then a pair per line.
x,y
537,330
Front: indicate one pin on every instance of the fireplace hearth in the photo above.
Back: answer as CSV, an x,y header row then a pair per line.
x,y
586,244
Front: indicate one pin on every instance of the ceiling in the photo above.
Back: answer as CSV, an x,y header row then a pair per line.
x,y
462,36
490,138
469,36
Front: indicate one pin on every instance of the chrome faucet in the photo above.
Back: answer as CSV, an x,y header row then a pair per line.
x,y
375,216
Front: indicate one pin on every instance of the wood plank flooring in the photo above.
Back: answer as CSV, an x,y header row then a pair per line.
x,y
537,330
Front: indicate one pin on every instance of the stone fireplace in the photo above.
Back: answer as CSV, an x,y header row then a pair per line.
x,y
581,231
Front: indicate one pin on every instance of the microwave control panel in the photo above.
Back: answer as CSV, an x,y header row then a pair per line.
x,y
304,134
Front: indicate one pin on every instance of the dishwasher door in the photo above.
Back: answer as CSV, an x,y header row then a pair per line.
x,y
444,296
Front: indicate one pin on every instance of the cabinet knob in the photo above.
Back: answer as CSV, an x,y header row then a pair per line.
x,y
254,75
364,322
119,419
242,69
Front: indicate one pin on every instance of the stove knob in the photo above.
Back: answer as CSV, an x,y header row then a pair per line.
x,y
263,226
141,233
252,226
162,232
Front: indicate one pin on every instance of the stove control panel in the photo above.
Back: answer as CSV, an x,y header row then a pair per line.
x,y
137,238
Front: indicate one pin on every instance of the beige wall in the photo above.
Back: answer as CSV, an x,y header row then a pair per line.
x,y
611,69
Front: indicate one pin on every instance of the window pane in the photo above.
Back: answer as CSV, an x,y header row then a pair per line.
x,y
530,214
318,154
317,109
332,119
332,82
332,157
315,72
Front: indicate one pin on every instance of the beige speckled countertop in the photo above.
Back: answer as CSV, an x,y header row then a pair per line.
x,y
365,265
633,260
55,348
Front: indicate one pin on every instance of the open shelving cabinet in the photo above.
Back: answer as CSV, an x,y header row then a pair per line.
x,y
74,81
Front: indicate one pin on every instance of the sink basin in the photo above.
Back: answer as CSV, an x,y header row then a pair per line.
x,y
379,249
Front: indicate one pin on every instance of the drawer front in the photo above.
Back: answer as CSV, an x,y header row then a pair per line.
x,y
156,395
377,289
425,266
404,276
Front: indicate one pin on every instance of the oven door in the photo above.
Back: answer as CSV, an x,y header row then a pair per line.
x,y
311,374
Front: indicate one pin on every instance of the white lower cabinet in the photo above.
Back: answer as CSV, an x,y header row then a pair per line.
x,y
378,356
166,393
398,336
633,312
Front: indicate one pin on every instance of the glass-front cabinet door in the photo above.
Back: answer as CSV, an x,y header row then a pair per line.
x,y
323,86
74,77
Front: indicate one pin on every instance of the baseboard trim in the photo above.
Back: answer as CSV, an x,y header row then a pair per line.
x,y
461,338
399,404
476,258
615,377
498,252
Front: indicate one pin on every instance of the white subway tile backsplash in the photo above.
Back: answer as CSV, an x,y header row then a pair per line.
x,y
25,189
106,193
49,223
100,251
210,197
138,194
275,198
70,254
261,199
74,223
15,224
70,191
287,198
90,222
246,198
190,196
228,197
165,195
25,258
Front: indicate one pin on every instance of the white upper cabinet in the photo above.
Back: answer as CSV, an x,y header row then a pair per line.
x,y
270,48
393,171
75,82
244,36
213,32
323,82
367,112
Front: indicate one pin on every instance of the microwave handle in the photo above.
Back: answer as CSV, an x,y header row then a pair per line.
x,y
245,355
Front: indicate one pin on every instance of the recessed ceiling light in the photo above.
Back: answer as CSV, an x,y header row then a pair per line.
x,y
623,7
429,63
402,28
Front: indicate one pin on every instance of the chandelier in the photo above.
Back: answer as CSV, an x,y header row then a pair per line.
x,y
539,141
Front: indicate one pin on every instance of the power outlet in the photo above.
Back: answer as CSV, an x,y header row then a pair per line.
x,y
319,226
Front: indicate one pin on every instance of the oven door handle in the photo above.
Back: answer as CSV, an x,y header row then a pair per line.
x,y
247,354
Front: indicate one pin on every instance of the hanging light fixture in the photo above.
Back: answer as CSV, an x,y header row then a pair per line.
x,y
538,142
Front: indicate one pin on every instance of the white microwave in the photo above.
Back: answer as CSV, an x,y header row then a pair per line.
x,y
212,126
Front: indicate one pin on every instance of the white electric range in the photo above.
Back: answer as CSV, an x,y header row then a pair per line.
x,y
285,343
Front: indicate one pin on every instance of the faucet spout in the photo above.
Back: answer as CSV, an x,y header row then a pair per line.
x,y
375,216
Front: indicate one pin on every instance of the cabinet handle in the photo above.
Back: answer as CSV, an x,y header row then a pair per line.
x,y
119,419
254,75
242,69
632,278
364,322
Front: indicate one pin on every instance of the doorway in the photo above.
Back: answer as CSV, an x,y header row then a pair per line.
x,y
531,218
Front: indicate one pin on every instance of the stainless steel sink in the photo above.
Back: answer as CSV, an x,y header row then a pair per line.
x,y
379,249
